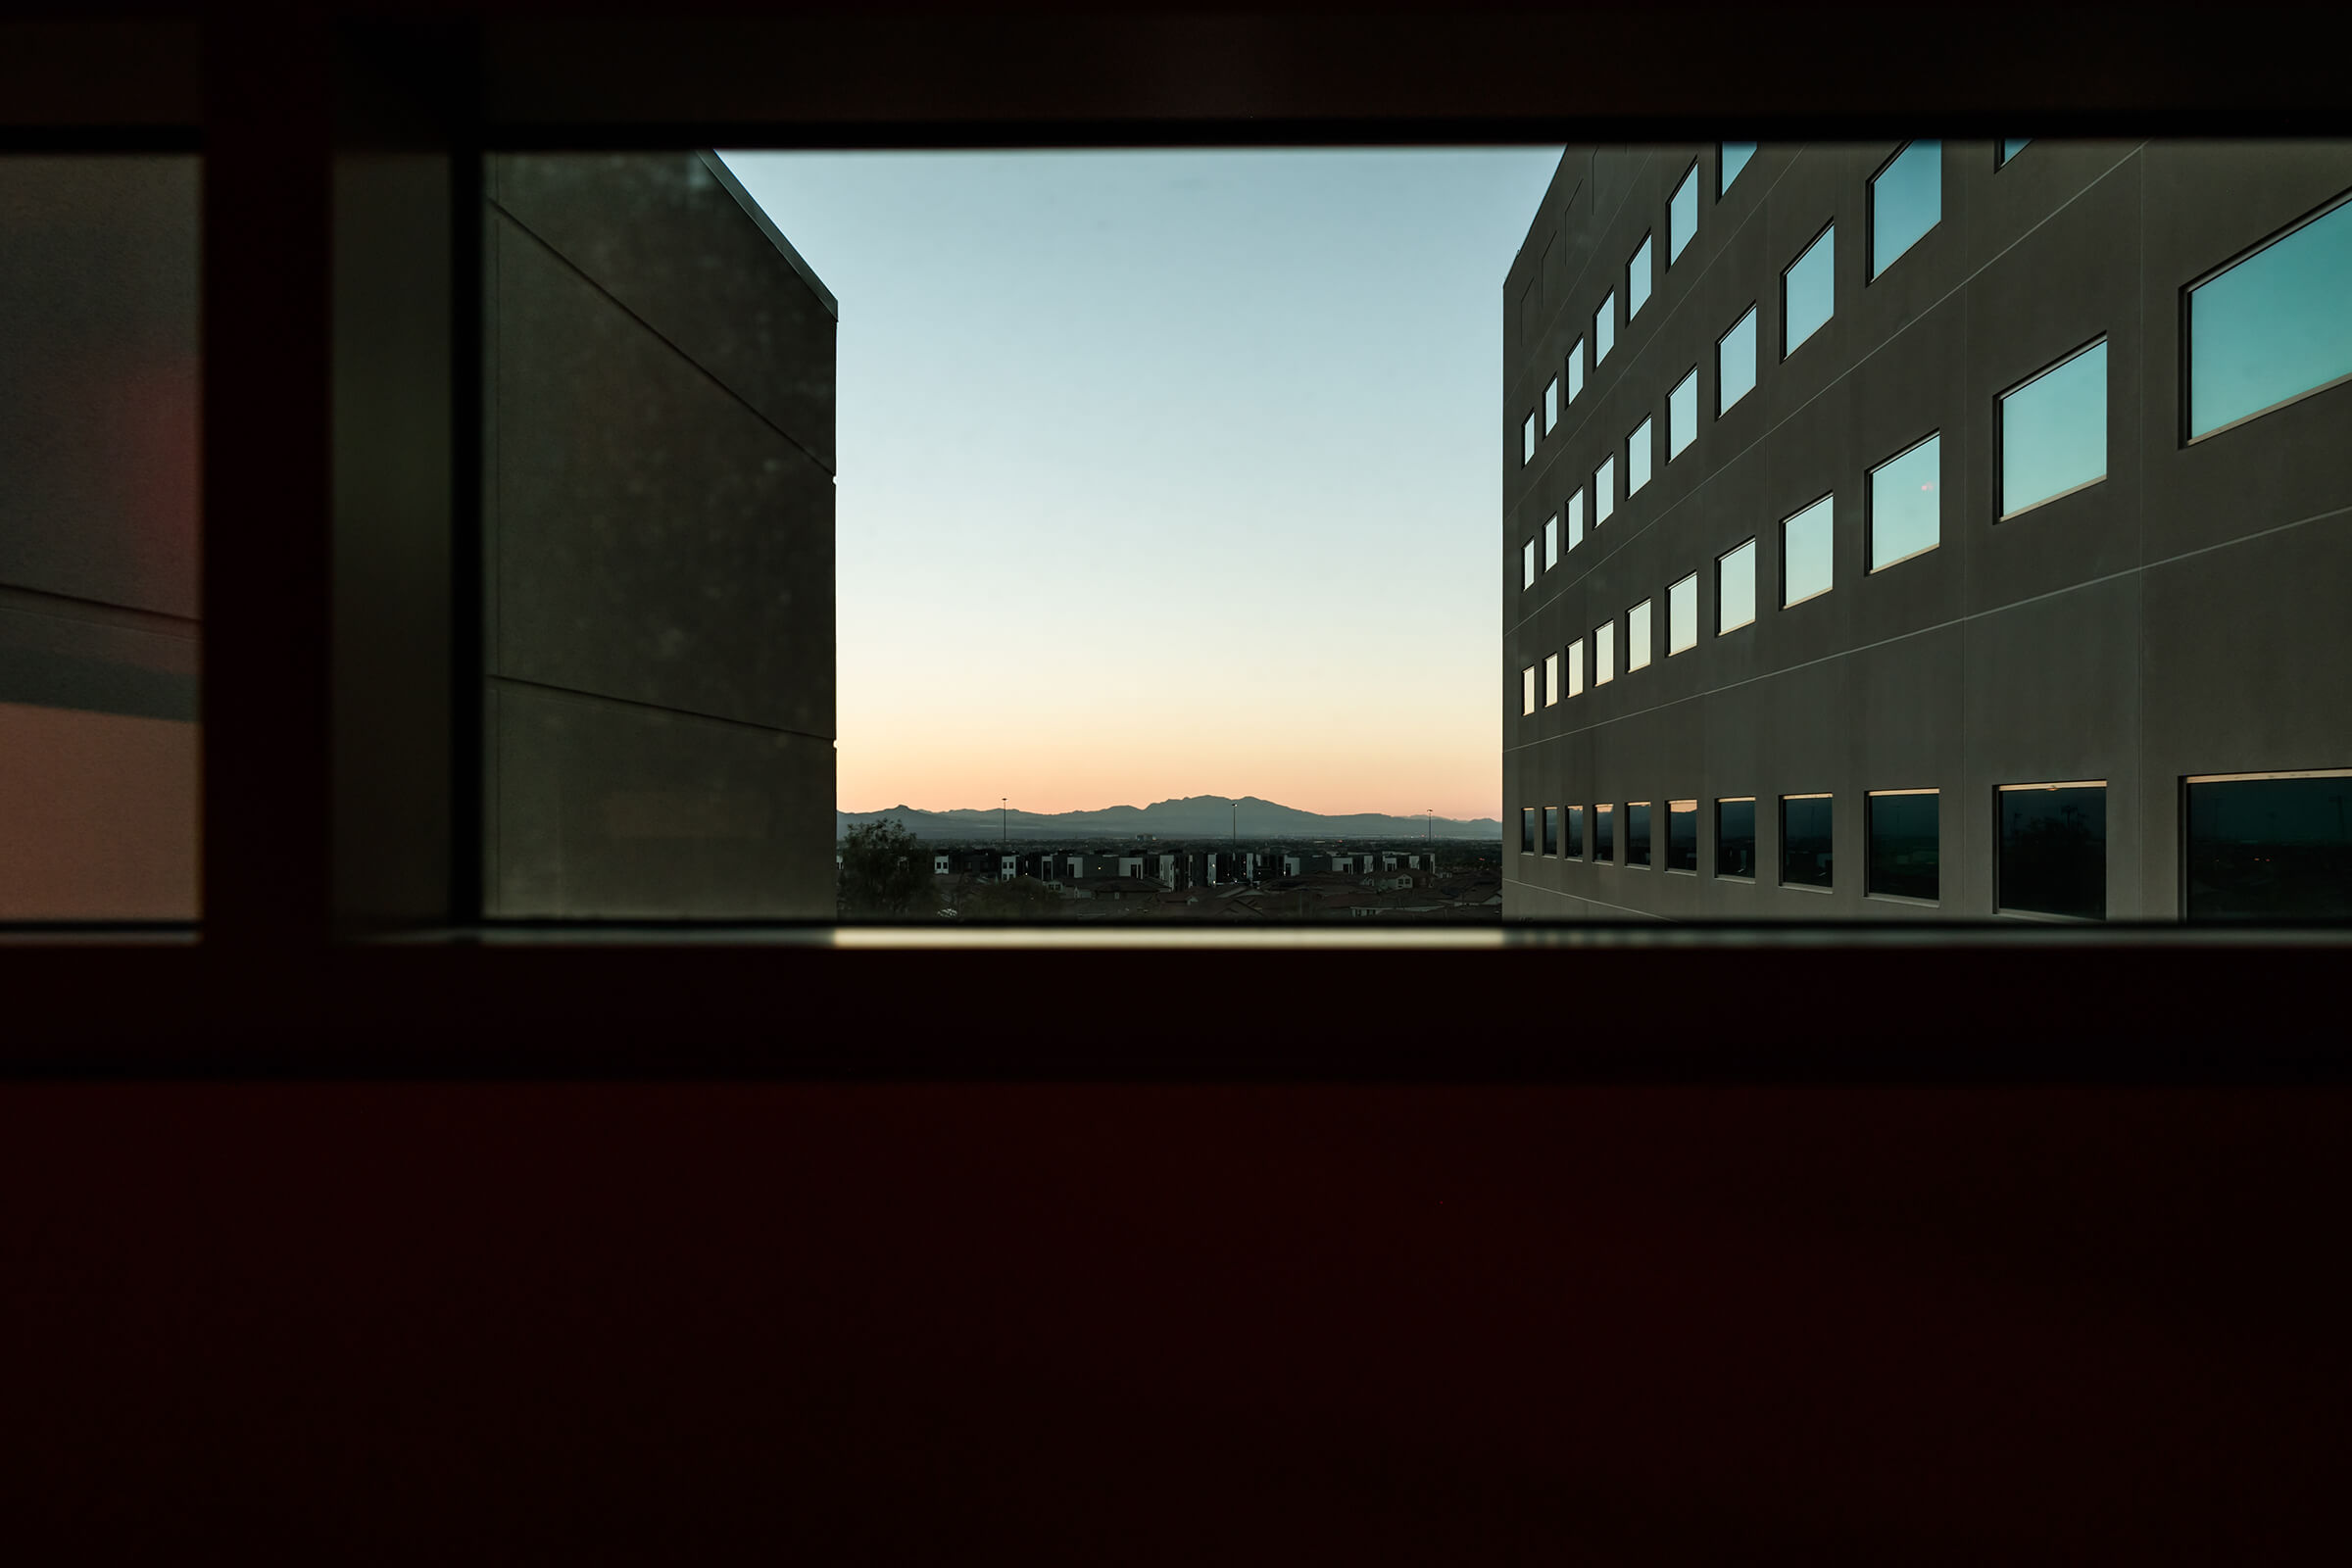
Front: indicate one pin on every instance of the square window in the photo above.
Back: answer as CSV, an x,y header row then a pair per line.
x,y
2053,431
1807,546
1905,844
2267,846
1735,363
1576,668
1604,328
1682,836
1551,830
1552,405
2053,857
1604,653
1637,458
1604,490
1682,615
1805,823
1604,834
1681,415
1906,504
2274,325
1527,441
1731,158
1526,691
1906,200
1574,849
2011,146
1551,541
1551,679
1735,588
1527,565
1809,291
1736,838
1681,214
1576,370
1636,637
1576,517
1637,833
1527,830
1638,278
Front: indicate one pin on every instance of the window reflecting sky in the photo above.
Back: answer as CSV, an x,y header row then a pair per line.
x,y
1076,386
2277,324
1735,363
1807,546
1905,495
1812,291
1906,200
2054,431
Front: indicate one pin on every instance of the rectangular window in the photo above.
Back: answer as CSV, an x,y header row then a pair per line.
x,y
1731,157
1682,615
1636,637
1527,830
1604,490
1551,679
1551,541
2010,147
1576,370
1905,505
1805,840
1736,838
1551,830
1604,653
1681,415
1576,517
1526,691
1903,829
1735,588
1637,833
1527,565
1604,328
2053,431
1809,291
1604,834
1906,200
1637,273
1527,441
1681,214
2053,857
1552,405
1575,847
2274,325
2267,846
1637,458
1807,547
1682,836
1735,363
1576,668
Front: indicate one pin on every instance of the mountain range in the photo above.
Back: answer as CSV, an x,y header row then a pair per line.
x,y
1195,816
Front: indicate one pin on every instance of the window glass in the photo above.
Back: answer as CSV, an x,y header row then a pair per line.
x,y
1605,327
1805,840
1576,668
2276,848
1736,838
1551,541
1906,200
1636,832
1604,833
1527,564
1809,291
1527,440
1735,588
1682,615
1576,370
1527,690
1735,157
2053,857
2012,146
1637,458
2274,326
1576,517
1527,830
1551,679
1682,835
1906,504
2054,431
1681,214
1574,849
1551,830
1604,489
1904,843
1681,415
1551,404
1637,278
1735,363
1636,636
1807,543
1604,653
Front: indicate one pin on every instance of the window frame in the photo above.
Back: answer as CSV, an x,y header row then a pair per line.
x,y
1697,612
1781,846
2000,437
2183,436
2000,909
1719,874
1870,503
1755,377
1690,381
1605,314
1871,272
1649,276
1828,498
1868,840
1689,182
1640,441
1643,642
1828,231
1723,181
1721,629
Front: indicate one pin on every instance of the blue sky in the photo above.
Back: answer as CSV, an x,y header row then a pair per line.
x,y
1166,473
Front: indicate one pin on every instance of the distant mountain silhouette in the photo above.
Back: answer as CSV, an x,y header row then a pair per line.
x,y
1196,816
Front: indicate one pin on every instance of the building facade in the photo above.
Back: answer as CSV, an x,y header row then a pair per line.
x,y
1931,530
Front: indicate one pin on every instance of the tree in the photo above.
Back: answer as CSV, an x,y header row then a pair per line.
x,y
1021,899
883,872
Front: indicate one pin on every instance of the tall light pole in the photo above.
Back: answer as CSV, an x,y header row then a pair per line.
x,y
1003,833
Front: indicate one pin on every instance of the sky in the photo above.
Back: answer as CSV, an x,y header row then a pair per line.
x,y
1165,472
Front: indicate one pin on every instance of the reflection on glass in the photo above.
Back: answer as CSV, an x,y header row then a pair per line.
x,y
1906,200
2274,847
1604,655
1682,615
1576,668
1735,588
1681,214
1551,830
2054,431
1551,679
1905,842
1527,440
1636,279
2053,857
1636,636
1636,832
1605,327
1681,415
1736,838
1551,541
1735,363
1551,404
2012,146
1527,830
1576,517
1682,836
1576,370
1805,840
1604,489
1809,291
1806,546
1527,564
1575,848
1604,833
1736,155
1637,458
1526,691
1906,504
2274,326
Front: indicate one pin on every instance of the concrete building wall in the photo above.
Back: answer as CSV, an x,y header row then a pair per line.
x,y
659,547
2185,616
